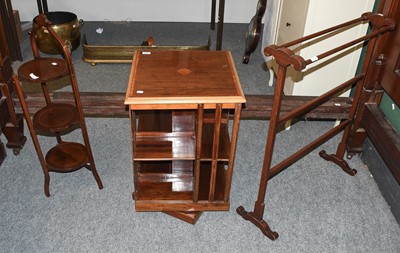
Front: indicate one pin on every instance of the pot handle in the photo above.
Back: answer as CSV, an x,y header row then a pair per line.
x,y
81,23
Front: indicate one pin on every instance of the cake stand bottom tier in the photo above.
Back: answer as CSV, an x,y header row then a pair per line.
x,y
67,157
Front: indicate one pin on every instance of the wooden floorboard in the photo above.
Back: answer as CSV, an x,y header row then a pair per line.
x,y
105,104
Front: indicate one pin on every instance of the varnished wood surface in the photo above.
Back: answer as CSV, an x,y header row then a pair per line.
x,y
165,135
156,139
189,217
147,121
384,136
163,179
41,70
105,104
181,144
224,143
181,205
55,118
177,79
167,171
160,148
67,157
390,77
159,185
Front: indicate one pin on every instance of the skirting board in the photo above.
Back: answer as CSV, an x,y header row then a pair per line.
x,y
383,177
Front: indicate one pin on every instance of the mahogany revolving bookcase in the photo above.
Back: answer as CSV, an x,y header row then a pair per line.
x,y
180,103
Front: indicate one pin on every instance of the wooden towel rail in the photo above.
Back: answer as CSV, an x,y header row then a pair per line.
x,y
285,58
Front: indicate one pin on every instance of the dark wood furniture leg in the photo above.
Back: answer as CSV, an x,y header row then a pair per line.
x,y
220,29
42,6
15,135
371,93
14,129
11,123
213,10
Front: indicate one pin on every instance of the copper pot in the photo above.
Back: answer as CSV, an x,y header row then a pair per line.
x,y
65,24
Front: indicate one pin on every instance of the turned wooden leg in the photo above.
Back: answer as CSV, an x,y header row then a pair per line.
x,y
95,174
46,183
97,177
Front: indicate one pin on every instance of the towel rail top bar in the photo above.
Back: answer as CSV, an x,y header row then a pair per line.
x,y
380,25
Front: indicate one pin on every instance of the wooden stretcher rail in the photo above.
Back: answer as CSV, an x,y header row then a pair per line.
x,y
105,104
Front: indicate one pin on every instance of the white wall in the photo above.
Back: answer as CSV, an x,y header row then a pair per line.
x,y
236,11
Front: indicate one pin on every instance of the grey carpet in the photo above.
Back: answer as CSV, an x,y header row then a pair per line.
x,y
313,205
